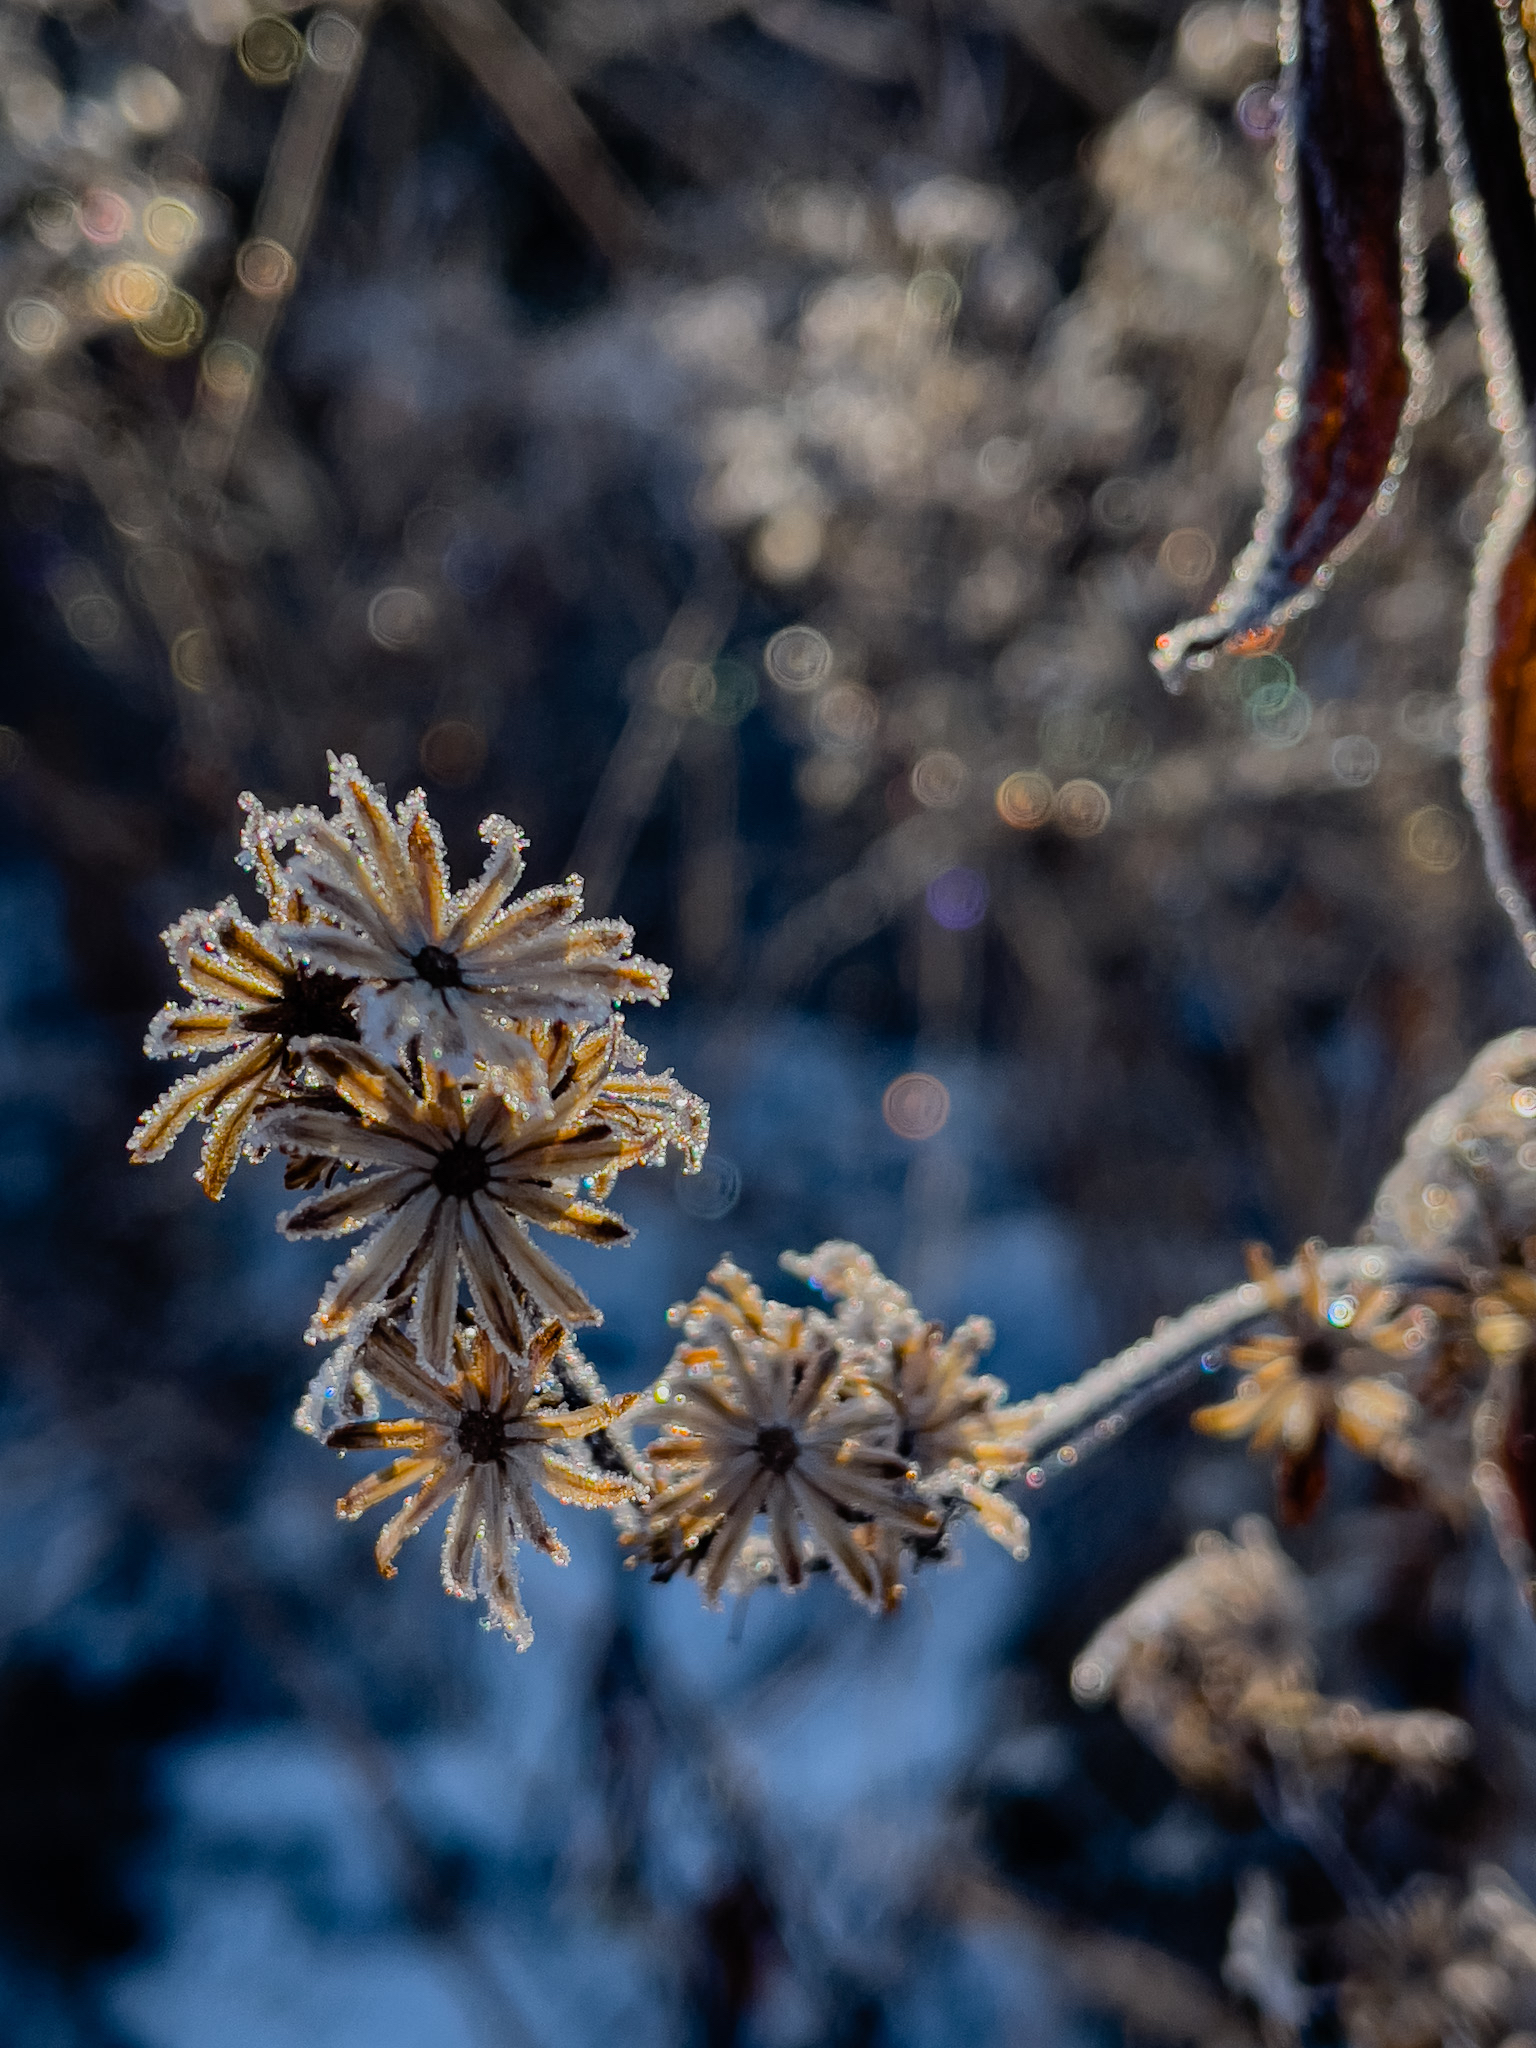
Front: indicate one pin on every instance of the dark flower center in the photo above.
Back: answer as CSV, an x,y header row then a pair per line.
x,y
777,1448
482,1435
1316,1356
437,967
461,1171
313,1004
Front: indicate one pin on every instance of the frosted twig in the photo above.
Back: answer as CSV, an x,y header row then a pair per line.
x,y
1072,51
284,220
514,73
633,773
865,45
1094,1397
894,868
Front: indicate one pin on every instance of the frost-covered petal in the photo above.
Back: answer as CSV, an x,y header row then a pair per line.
x,y
461,1538
418,1511
347,1208
437,1290
494,1299
363,1283
388,1358
196,1095
555,1292
328,1134
481,901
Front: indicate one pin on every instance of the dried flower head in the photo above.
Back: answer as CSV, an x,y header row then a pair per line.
x,y
455,973
953,1423
498,1092
1212,1664
1436,1967
484,1441
460,1173
1309,1378
1465,1182
254,1001
763,1420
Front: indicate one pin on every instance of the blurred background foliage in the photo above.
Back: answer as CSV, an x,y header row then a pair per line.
x,y
753,446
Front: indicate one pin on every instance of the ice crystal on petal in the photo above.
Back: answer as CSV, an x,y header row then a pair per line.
x,y
482,1440
762,1421
460,973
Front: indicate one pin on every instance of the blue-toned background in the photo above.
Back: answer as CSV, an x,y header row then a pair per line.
x,y
948,330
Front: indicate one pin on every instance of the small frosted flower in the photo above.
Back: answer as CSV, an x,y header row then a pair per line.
x,y
456,973
759,1424
455,1178
1310,1378
483,1441
651,1114
953,1423
253,1001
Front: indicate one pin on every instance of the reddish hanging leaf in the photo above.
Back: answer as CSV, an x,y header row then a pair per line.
x,y
1348,176
1517,1448
1499,685
1504,1475
1480,69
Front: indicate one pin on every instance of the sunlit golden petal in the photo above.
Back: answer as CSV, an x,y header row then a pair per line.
x,y
1237,1417
197,1095
380,1485
227,1132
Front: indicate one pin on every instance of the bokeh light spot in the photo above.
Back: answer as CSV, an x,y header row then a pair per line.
x,y
1187,557
452,752
1259,111
787,546
333,42
957,899
94,619
104,216
131,291
54,219
147,100
265,268
174,328
1280,713
798,657
1024,799
712,1192
1434,840
171,226
270,50
724,693
1354,760
916,1106
846,714
1082,807
35,325
939,779
193,662
230,369
399,617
